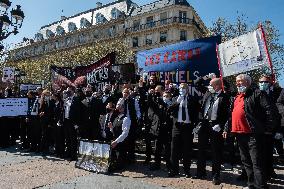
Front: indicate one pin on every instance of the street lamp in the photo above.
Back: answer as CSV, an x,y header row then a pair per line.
x,y
10,25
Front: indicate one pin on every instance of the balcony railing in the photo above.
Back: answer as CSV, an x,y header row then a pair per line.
x,y
163,22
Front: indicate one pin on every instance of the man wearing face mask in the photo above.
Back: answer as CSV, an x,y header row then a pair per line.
x,y
46,113
154,115
214,116
36,129
163,140
184,111
131,110
266,85
87,124
105,120
96,110
252,115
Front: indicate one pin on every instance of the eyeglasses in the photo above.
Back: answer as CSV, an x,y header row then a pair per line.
x,y
264,82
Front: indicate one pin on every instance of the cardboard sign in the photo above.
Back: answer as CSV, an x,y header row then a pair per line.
x,y
8,74
13,107
94,156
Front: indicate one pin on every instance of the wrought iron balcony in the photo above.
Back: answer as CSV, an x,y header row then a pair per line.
x,y
162,22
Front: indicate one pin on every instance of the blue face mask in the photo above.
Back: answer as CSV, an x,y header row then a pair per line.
x,y
182,92
263,86
167,100
241,89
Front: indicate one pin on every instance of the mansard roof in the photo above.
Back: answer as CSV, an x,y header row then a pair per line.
x,y
157,5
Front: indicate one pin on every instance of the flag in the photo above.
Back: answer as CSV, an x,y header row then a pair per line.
x,y
242,54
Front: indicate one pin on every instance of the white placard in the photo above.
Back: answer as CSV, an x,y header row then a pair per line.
x,y
242,54
13,107
8,74
24,88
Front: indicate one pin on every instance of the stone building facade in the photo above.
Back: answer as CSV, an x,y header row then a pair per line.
x,y
141,27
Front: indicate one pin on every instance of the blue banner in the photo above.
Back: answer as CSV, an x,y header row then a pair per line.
x,y
182,62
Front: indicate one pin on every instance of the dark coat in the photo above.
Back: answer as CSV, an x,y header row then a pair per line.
x,y
259,111
193,109
280,106
155,116
223,108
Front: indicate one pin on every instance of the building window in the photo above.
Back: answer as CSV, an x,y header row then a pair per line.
x,y
163,36
163,18
136,25
84,23
183,35
150,22
148,39
100,18
112,30
72,27
114,13
182,17
135,41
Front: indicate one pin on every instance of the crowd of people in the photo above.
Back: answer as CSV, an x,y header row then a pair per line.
x,y
164,113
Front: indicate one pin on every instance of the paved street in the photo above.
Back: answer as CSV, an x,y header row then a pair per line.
x,y
28,170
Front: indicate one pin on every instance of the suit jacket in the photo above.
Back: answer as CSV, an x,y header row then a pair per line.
x,y
76,110
222,110
193,107
109,134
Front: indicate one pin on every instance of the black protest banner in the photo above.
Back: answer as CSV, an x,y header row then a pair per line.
x,y
62,76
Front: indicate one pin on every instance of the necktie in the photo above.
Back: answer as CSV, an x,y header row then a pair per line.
x,y
183,110
209,111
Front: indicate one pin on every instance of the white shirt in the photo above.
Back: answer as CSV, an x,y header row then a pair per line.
x,y
137,107
182,100
103,124
67,105
125,129
214,108
35,106
105,97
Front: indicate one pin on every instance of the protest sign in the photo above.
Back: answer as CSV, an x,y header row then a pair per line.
x,y
182,62
25,87
94,156
13,107
244,53
197,55
97,74
8,74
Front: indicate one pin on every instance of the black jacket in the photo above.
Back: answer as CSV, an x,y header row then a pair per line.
x,y
259,111
280,106
193,109
223,108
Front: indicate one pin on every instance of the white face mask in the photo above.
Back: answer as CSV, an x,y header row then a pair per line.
x,y
182,92
263,86
211,89
241,89
166,100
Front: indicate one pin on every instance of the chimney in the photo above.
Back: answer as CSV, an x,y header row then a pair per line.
x,y
63,17
99,4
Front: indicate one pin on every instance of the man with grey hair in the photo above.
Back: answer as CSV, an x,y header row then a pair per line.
x,y
251,117
215,114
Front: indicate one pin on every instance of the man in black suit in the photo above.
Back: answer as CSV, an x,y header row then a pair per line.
x,y
105,120
266,85
214,116
73,120
131,110
185,115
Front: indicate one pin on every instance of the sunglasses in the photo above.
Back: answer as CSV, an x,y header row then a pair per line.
x,y
264,82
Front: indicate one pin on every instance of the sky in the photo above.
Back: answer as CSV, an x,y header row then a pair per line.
x,y
39,13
